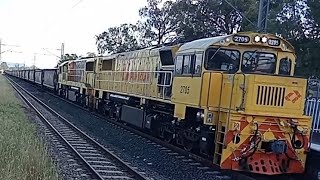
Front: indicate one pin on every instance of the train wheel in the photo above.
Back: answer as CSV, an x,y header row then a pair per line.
x,y
168,133
118,113
187,144
168,137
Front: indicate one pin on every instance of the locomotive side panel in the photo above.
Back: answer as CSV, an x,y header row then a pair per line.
x,y
135,73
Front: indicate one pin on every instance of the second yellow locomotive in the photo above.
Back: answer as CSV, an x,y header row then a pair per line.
x,y
233,98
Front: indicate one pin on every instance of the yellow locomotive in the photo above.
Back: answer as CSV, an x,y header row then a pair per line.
x,y
233,98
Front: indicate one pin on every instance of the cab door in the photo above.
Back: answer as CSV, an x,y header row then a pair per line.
x,y
187,81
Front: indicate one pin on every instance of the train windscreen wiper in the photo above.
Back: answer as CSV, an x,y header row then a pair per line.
x,y
215,53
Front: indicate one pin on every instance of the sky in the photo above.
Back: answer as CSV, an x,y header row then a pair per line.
x,y
37,24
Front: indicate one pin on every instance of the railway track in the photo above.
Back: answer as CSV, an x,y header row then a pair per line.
x,y
100,162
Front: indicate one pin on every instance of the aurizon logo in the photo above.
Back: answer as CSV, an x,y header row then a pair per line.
x,y
293,96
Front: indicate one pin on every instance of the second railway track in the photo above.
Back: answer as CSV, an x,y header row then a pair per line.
x,y
100,162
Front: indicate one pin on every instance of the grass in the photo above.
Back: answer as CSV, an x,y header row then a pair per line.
x,y
22,154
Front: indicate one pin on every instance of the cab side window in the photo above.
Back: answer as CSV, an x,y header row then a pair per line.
x,y
189,64
198,62
285,66
222,59
65,68
179,62
186,64
89,66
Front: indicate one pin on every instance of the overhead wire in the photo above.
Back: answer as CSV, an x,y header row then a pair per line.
x,y
255,25
77,3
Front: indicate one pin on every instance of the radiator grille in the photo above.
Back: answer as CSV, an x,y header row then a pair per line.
x,y
270,96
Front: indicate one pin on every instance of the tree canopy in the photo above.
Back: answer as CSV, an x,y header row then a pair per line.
x,y
186,20
67,57
3,66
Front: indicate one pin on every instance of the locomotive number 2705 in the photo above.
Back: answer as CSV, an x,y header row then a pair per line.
x,y
184,89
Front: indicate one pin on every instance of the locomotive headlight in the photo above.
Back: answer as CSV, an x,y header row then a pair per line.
x,y
257,38
264,39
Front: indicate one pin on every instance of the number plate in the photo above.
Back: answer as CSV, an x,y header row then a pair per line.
x,y
241,39
274,42
184,89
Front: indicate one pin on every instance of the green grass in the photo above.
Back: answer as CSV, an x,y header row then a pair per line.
x,y
22,154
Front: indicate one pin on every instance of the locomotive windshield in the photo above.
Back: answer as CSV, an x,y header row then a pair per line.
x,y
222,59
258,62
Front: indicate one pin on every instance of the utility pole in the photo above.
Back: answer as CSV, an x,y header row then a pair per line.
x,y
263,15
62,50
34,61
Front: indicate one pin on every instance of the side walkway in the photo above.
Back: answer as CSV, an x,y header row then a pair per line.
x,y
22,154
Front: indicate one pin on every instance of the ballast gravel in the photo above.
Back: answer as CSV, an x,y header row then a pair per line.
x,y
67,165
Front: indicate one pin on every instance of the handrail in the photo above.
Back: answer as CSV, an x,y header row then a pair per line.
x,y
231,98
229,109
312,109
208,94
243,91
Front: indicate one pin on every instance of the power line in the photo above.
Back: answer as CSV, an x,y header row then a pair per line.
x,y
1,44
52,53
77,4
241,13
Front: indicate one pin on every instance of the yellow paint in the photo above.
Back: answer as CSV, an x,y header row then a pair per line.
x,y
269,95
268,136
180,111
211,89
186,90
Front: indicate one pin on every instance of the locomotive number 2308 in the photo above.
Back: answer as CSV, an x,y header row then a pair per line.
x,y
184,89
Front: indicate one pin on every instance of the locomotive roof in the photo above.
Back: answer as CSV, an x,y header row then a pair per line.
x,y
201,44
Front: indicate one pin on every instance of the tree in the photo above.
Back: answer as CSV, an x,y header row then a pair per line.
x,y
3,66
33,67
67,57
157,25
118,39
200,19
315,15
296,22
185,20
91,54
